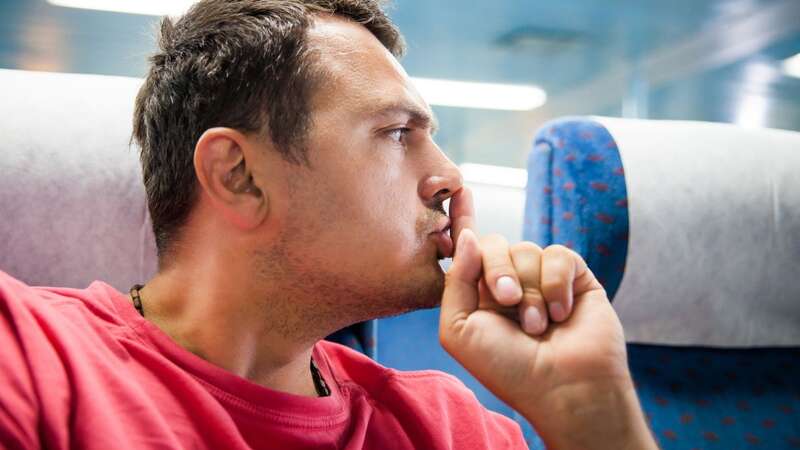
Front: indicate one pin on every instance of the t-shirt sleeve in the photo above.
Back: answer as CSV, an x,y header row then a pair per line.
x,y
19,408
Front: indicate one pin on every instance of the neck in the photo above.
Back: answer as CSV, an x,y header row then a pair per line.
x,y
220,321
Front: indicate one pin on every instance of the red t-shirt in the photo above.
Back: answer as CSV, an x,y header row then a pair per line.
x,y
81,369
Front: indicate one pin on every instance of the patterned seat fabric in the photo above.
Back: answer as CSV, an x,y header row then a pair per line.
x,y
577,198
703,398
694,397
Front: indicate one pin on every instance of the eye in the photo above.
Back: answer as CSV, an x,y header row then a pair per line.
x,y
399,134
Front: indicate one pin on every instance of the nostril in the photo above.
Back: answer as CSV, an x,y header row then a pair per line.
x,y
442,194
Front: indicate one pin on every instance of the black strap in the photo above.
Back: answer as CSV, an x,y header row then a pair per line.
x,y
319,383
137,301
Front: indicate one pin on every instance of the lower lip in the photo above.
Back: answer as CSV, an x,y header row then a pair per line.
x,y
444,243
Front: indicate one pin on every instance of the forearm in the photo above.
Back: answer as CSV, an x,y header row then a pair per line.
x,y
589,417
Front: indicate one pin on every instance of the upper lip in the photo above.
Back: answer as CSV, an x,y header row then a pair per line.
x,y
442,224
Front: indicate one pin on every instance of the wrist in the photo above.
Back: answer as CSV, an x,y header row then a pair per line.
x,y
592,416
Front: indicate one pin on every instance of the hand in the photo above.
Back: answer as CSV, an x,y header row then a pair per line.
x,y
545,339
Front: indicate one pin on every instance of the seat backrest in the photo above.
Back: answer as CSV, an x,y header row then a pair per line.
x,y
71,194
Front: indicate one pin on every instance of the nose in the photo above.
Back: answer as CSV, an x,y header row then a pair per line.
x,y
442,181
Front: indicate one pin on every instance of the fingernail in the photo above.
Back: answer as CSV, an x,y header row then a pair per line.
x,y
557,312
532,320
507,289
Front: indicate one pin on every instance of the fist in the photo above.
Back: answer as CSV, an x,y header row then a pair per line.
x,y
528,284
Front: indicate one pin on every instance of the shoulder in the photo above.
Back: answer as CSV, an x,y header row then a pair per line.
x,y
53,314
51,337
97,300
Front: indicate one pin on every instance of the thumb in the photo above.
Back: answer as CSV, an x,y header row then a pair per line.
x,y
460,297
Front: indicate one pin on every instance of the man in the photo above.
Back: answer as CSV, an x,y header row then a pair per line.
x,y
295,189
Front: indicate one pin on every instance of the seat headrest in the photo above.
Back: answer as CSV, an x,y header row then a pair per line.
x,y
693,228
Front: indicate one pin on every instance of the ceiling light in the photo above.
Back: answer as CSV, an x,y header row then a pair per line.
x,y
147,7
752,111
494,175
791,66
510,97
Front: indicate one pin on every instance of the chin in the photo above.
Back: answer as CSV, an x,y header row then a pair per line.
x,y
421,288
429,289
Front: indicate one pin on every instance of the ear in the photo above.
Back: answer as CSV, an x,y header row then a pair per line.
x,y
223,161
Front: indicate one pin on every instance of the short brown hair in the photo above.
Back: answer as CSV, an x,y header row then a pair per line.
x,y
243,64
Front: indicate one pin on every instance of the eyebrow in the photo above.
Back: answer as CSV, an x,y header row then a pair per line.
x,y
420,116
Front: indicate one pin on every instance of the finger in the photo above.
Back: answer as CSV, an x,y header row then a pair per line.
x,y
585,280
460,297
526,257
487,300
489,303
498,270
462,213
563,273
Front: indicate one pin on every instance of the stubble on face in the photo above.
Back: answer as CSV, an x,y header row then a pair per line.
x,y
316,297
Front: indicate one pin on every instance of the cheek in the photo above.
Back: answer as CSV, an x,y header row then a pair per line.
x,y
394,197
366,212
384,215
397,218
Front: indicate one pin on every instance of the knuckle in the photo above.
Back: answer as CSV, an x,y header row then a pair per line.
x,y
494,239
556,278
452,333
556,268
557,258
446,341
496,259
527,260
444,338
526,247
558,249
497,269
532,295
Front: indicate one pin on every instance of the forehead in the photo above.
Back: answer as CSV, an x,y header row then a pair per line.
x,y
358,71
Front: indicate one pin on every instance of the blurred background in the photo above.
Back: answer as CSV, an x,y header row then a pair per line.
x,y
714,60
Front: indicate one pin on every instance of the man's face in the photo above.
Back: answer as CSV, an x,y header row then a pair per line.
x,y
362,219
